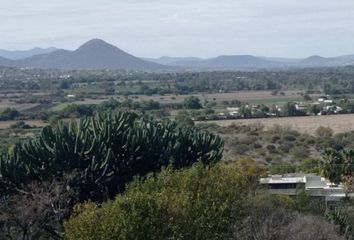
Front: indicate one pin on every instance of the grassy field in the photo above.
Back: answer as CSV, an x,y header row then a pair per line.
x,y
339,123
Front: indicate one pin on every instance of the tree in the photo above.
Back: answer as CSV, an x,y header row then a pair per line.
x,y
307,97
9,114
314,109
333,166
245,111
37,211
192,102
196,203
289,109
338,166
201,203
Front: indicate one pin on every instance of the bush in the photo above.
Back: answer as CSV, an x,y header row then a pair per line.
x,y
9,114
192,204
192,102
199,203
241,149
324,132
290,138
20,125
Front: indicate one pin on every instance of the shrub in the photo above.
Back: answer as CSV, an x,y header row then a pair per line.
x,y
199,203
192,102
192,204
324,132
9,114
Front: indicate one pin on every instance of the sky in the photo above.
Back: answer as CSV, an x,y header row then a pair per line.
x,y
200,28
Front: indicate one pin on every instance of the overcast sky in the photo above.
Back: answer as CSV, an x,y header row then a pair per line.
x,y
203,28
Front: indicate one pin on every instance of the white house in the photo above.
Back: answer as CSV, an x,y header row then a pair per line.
x,y
328,101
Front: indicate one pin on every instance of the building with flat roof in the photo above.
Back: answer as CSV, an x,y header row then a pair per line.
x,y
313,185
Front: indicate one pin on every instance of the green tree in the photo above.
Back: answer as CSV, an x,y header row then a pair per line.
x,y
333,166
289,109
192,102
314,109
9,114
196,203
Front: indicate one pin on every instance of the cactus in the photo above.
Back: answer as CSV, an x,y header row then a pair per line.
x,y
107,150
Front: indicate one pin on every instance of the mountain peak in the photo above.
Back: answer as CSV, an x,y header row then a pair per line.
x,y
95,42
94,54
315,60
315,57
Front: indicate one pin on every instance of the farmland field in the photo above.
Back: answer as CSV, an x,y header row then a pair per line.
x,y
339,123
256,97
18,106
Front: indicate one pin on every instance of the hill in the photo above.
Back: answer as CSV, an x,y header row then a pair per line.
x,y
21,54
249,62
221,62
98,54
6,62
94,54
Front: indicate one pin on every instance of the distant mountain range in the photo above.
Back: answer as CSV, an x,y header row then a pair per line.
x,y
248,62
21,54
94,54
98,54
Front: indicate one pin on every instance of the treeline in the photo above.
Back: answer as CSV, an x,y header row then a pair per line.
x,y
72,110
330,80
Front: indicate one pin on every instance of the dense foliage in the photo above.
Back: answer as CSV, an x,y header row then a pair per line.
x,y
338,166
200,203
330,80
105,152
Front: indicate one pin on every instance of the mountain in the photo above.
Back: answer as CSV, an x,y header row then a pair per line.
x,y
315,60
98,54
318,61
282,60
21,54
173,61
6,62
249,62
220,63
94,54
238,62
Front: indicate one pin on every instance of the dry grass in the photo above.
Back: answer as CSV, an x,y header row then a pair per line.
x,y
339,123
33,123
246,96
18,106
